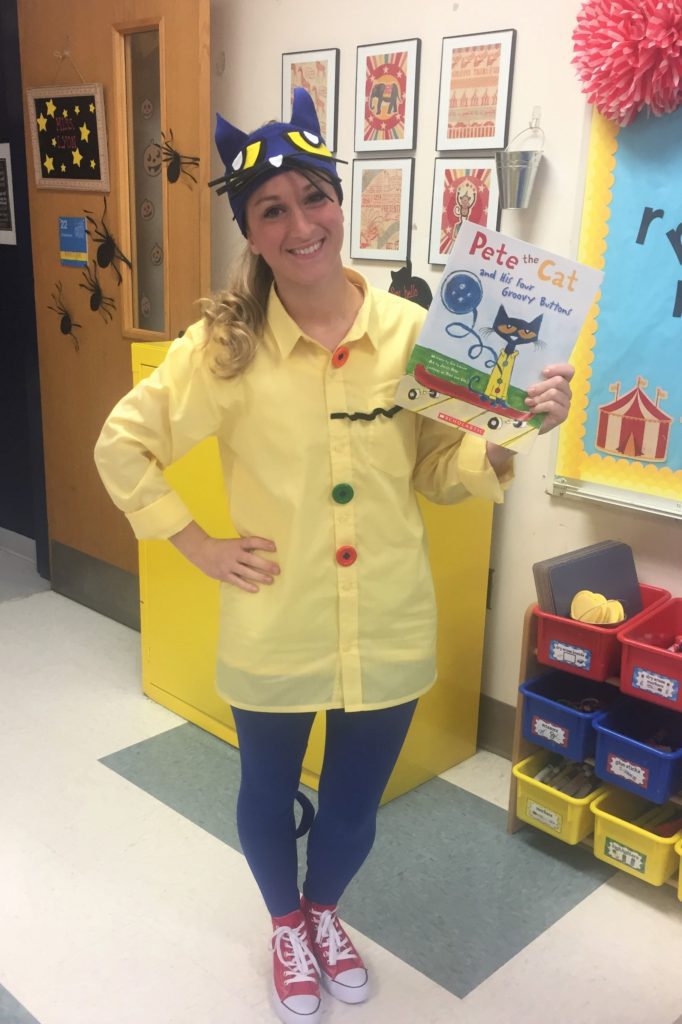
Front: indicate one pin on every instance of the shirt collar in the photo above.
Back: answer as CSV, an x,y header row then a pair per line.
x,y
287,333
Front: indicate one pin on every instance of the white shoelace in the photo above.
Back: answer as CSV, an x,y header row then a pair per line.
x,y
329,934
294,953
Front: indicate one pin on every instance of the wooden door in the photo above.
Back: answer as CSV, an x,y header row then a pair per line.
x,y
120,44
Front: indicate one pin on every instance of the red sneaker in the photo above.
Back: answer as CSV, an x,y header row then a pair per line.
x,y
296,990
344,975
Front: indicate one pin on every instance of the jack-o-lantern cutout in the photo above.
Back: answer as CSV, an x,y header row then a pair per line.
x,y
151,159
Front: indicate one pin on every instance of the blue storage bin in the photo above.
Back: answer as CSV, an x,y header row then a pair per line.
x,y
624,756
551,724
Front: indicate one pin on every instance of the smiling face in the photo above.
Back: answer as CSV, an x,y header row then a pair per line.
x,y
296,225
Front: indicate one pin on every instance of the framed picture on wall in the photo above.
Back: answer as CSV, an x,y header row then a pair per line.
x,y
381,209
475,91
8,228
69,137
386,81
318,72
464,188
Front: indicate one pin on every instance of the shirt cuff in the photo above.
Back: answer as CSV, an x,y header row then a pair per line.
x,y
476,473
162,519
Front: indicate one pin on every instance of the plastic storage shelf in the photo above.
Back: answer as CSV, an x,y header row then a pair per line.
x,y
549,810
626,757
648,670
586,650
624,845
555,726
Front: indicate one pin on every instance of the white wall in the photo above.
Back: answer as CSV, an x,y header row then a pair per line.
x,y
248,38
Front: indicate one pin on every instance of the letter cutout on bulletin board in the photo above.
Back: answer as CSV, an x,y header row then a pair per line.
x,y
622,442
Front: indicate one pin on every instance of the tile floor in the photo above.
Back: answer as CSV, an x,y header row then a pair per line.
x,y
124,897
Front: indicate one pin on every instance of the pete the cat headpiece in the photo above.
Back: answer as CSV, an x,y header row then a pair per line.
x,y
250,160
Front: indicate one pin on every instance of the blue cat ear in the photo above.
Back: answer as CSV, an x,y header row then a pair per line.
x,y
303,113
228,139
535,325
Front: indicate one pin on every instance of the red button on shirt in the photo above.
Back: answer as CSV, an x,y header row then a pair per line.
x,y
340,356
346,555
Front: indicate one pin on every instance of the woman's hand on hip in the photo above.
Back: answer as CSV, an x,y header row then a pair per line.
x,y
235,561
231,560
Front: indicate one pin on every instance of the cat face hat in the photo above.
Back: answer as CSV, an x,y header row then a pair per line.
x,y
250,160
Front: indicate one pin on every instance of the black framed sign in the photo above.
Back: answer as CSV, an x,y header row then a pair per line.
x,y
8,231
69,137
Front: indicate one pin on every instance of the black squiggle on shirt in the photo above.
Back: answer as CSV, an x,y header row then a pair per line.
x,y
366,415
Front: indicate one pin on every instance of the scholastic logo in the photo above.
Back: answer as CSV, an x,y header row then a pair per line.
x,y
461,424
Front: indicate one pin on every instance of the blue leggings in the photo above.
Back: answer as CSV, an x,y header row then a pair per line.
x,y
361,749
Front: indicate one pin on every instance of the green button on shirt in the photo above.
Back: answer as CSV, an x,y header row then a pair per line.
x,y
324,635
342,494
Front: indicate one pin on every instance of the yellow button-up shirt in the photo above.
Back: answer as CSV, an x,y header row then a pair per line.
x,y
353,630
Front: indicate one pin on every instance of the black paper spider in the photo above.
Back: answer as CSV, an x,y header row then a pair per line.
x,y
107,251
66,324
98,300
174,161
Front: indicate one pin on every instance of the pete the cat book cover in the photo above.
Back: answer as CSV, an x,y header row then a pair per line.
x,y
504,310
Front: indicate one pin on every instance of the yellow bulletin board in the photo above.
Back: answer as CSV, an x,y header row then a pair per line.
x,y
622,443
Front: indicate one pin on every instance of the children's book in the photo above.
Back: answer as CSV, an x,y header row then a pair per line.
x,y
504,310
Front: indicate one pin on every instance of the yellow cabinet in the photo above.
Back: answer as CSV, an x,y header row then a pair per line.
x,y
179,620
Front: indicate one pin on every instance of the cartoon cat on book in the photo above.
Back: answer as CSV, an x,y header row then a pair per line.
x,y
514,332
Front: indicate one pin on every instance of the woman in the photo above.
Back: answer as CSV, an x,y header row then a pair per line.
x,y
294,370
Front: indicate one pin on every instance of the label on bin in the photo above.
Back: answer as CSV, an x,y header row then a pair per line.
x,y
634,773
544,815
625,855
568,654
556,734
652,682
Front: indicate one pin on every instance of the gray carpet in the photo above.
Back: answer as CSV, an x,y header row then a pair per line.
x,y
445,888
12,1012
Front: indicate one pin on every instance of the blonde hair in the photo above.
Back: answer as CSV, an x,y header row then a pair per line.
x,y
235,317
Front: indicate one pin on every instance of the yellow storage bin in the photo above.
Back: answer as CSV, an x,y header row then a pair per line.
x,y
678,849
624,845
565,817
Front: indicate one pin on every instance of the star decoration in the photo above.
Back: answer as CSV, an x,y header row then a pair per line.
x,y
92,164
42,123
54,142
51,109
85,132
65,112
48,164
63,168
77,157
92,108
77,109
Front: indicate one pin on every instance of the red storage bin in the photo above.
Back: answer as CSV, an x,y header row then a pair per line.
x,y
648,670
586,650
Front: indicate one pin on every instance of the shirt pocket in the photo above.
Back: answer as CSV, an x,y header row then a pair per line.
x,y
391,440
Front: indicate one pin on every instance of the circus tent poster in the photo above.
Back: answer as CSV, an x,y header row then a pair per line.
x,y
624,432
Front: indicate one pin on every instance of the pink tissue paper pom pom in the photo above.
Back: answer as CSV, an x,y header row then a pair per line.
x,y
628,55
